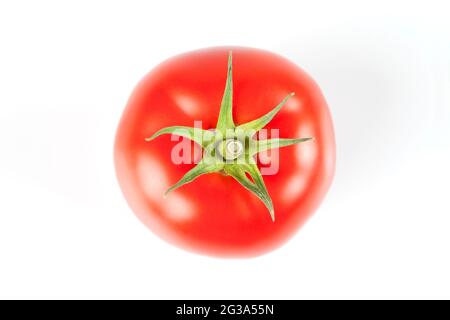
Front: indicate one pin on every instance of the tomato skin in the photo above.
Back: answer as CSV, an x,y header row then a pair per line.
x,y
214,214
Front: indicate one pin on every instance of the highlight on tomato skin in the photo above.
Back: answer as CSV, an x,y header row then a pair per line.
x,y
225,151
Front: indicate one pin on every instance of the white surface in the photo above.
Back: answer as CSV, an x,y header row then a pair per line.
x,y
67,69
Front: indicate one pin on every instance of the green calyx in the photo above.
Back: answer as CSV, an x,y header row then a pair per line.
x,y
231,149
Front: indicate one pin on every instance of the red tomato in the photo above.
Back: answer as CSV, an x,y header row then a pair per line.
x,y
214,214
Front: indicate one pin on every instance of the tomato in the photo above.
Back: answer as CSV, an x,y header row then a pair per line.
x,y
214,214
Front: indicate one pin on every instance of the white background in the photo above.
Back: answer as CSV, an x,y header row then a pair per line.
x,y
66,72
